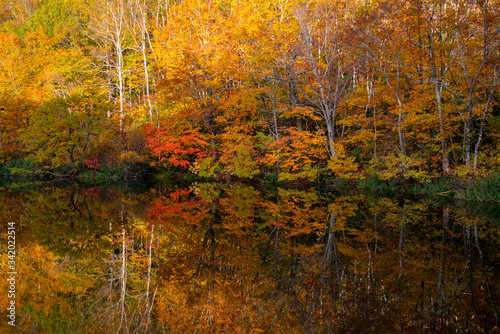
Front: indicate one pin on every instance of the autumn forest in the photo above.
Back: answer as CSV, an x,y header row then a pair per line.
x,y
250,166
401,90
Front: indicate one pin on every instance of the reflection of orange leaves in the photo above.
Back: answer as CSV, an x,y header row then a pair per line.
x,y
363,236
217,306
298,213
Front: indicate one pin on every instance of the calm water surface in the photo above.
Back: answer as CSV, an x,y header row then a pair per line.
x,y
213,258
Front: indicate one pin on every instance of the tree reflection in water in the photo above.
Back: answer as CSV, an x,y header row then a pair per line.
x,y
215,258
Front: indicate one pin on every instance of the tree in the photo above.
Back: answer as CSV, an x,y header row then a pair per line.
x,y
326,68
387,51
107,27
62,130
178,150
478,72
138,27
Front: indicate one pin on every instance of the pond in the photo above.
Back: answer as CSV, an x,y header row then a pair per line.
x,y
232,258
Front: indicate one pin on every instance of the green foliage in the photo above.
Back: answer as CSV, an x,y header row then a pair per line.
x,y
377,187
438,186
62,131
486,189
53,16
206,167
269,180
17,167
124,172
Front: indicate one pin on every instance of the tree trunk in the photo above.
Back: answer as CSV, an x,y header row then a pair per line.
x,y
444,144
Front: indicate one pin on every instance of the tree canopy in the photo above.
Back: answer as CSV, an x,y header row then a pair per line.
x,y
238,88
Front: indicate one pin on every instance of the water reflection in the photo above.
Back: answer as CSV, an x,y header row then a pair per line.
x,y
213,258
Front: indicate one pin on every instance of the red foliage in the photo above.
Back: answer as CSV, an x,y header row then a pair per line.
x,y
179,149
92,163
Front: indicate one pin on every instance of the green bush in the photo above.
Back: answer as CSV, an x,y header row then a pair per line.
x,y
487,189
378,187
17,167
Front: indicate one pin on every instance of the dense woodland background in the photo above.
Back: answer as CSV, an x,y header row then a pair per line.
x,y
295,91
405,90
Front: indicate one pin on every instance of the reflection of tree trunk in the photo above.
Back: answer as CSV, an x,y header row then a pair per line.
x,y
208,240
371,269
89,215
73,201
468,254
400,276
326,264
487,281
147,312
212,237
122,304
276,239
329,254
330,244
332,235
376,235
276,242
292,257
446,219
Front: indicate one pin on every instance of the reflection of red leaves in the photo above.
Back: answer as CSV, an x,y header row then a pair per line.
x,y
93,192
178,207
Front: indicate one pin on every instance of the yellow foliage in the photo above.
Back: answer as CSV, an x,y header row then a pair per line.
x,y
399,167
130,156
343,166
